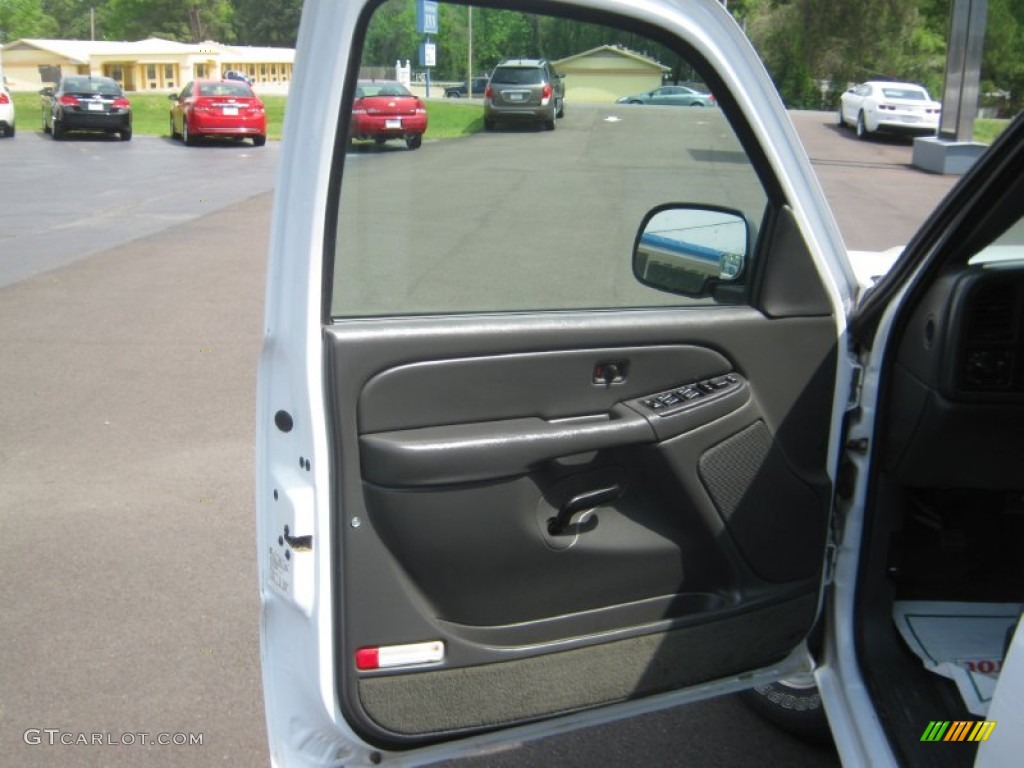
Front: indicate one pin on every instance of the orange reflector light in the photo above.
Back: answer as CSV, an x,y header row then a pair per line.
x,y
389,656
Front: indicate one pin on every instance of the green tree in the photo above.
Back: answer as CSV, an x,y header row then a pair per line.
x,y
74,17
391,35
183,20
267,22
811,45
24,18
1002,66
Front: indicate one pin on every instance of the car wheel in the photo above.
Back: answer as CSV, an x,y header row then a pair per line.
x,y
560,112
57,130
186,134
414,142
839,117
635,101
126,135
259,141
862,129
549,125
696,104
488,125
794,705
9,132
379,139
174,133
455,95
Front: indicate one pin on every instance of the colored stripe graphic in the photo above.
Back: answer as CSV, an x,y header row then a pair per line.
x,y
958,730
935,731
983,730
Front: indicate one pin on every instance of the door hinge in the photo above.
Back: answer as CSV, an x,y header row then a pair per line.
x,y
856,379
831,555
835,536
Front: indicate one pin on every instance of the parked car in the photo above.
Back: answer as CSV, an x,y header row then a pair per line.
x,y
234,74
671,95
460,90
7,126
524,89
218,108
559,432
384,110
86,103
904,108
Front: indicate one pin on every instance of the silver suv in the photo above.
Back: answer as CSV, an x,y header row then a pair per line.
x,y
524,89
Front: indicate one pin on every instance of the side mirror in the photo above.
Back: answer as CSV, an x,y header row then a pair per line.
x,y
172,97
47,91
688,249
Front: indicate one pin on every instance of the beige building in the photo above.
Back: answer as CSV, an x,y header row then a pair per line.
x,y
151,64
605,73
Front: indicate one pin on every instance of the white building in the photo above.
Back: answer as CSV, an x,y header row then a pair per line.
x,y
151,64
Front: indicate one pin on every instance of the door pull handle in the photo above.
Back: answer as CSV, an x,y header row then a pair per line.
x,y
583,502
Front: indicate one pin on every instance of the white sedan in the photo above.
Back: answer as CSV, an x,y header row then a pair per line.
x,y
891,107
6,112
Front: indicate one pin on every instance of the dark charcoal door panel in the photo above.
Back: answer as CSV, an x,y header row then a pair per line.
x,y
515,491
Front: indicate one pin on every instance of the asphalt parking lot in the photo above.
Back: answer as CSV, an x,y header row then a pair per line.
x,y
131,293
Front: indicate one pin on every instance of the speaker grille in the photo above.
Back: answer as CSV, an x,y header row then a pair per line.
x,y
729,469
775,518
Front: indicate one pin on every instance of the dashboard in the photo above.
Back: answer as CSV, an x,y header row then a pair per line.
x,y
956,417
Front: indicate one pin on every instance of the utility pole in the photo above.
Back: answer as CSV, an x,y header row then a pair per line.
x,y
92,23
469,53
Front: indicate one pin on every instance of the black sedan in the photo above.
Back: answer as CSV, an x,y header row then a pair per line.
x,y
86,103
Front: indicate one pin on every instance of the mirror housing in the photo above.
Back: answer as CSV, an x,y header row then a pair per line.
x,y
47,91
689,249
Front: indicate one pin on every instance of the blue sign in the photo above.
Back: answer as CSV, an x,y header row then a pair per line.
x,y
426,17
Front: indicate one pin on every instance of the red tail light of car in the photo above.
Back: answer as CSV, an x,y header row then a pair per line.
x,y
4,98
68,100
548,90
488,92
121,103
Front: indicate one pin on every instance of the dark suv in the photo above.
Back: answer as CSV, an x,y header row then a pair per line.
x,y
460,90
524,89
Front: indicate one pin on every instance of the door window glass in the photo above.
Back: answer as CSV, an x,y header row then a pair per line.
x,y
534,205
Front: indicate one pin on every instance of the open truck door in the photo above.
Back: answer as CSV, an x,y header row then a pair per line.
x,y
547,420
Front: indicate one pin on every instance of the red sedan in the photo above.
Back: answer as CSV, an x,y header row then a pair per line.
x,y
218,108
386,110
